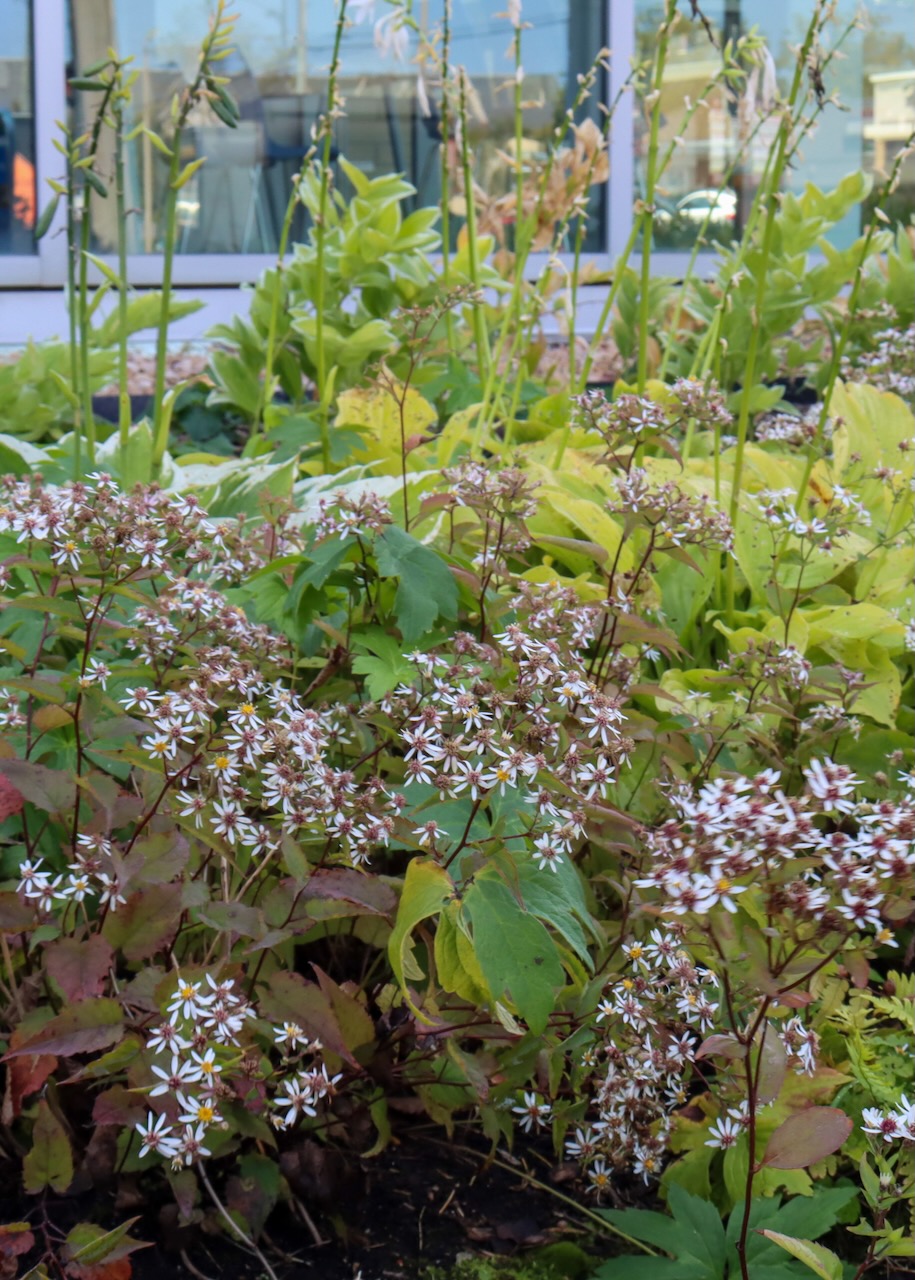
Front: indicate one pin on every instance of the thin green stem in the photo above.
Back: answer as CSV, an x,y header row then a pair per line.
x,y
321,242
480,336
446,168
265,393
72,310
762,284
651,176
120,197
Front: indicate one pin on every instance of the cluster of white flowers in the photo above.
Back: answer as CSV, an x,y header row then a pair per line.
x,y
727,1129
676,518
633,418
502,499
202,1064
838,517
789,428
92,522
742,831
648,1023
891,364
343,515
94,872
466,737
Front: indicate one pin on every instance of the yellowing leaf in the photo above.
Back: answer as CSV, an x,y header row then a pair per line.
x,y
822,1261
426,891
49,1163
377,410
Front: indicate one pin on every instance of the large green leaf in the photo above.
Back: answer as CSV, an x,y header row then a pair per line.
x,y
516,953
426,587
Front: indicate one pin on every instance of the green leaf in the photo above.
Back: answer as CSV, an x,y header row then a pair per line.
x,y
254,1191
89,1244
702,1228
427,589
188,172
426,890
641,1267
46,218
646,1224
456,965
387,669
822,1261
515,951
49,1163
557,898
102,266
95,183
143,312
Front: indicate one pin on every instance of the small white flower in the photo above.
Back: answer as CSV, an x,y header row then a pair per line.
x,y
724,1133
156,1135
533,1112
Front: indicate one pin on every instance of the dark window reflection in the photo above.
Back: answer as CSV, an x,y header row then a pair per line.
x,y
235,203
17,129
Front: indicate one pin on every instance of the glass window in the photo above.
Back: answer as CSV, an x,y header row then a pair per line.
x,y
17,129
236,201
875,80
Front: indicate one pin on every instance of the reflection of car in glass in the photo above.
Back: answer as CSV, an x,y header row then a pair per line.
x,y
685,218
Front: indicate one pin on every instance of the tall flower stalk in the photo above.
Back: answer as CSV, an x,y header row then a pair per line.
x,y
207,87
325,132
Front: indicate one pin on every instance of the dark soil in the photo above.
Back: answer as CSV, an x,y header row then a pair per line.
x,y
423,1202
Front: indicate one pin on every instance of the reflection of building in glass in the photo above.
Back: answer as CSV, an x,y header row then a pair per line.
x,y
890,119
17,153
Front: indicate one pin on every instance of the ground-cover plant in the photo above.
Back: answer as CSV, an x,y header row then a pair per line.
x,y
388,745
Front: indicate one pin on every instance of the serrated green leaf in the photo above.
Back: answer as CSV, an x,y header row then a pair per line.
x,y
426,587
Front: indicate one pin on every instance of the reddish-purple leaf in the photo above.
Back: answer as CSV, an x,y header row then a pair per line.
x,y
287,997
342,883
352,1016
52,790
806,1137
773,1065
157,858
15,915
235,918
721,1046
11,799
79,966
15,1238
146,923
85,1028
118,1105
24,1076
